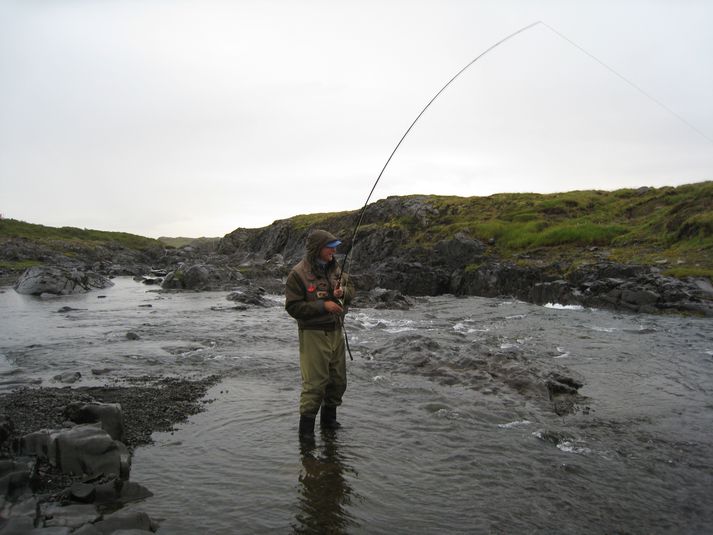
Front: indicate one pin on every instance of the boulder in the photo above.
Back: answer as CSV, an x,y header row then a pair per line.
x,y
57,280
6,429
124,520
72,516
14,479
109,415
40,443
67,377
83,449
88,449
251,295
382,298
19,525
202,277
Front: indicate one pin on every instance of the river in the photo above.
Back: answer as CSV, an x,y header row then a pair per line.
x,y
447,423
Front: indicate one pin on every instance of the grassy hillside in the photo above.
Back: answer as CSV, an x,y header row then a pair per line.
x,y
69,241
11,228
669,226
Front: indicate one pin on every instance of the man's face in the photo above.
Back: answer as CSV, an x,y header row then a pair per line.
x,y
327,253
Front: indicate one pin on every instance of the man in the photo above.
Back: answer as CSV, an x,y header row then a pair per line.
x,y
317,295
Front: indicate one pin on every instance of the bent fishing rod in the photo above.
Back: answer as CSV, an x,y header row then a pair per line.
x,y
345,261
363,210
378,178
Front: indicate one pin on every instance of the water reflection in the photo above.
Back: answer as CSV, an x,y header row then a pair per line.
x,y
323,492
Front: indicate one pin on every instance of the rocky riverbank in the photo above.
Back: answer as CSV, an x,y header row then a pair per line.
x,y
65,453
643,250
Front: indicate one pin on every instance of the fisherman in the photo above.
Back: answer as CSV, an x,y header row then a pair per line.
x,y
317,295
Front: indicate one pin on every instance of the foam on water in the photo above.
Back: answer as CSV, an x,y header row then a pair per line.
x,y
516,423
570,447
563,354
558,306
599,329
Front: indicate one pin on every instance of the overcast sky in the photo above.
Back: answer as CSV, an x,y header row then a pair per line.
x,y
193,118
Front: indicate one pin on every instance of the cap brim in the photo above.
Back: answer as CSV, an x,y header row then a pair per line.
x,y
334,243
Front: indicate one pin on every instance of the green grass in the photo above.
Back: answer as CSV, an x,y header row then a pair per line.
x,y
11,228
305,221
642,225
19,265
693,271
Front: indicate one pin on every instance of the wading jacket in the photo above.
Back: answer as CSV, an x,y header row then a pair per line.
x,y
310,284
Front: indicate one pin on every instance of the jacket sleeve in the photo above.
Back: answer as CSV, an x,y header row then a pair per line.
x,y
296,303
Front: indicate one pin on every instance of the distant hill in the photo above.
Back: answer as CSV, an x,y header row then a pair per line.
x,y
12,228
23,245
182,242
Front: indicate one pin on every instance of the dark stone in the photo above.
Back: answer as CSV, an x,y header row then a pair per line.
x,y
67,377
251,295
382,298
82,492
202,277
58,280
109,415
14,479
124,520
458,251
69,309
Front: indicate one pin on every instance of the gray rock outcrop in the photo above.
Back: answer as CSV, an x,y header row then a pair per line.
x,y
251,295
57,280
202,277
81,450
108,415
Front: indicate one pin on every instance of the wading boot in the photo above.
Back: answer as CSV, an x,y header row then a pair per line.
x,y
328,418
306,426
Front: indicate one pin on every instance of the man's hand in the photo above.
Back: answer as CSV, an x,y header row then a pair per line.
x,y
338,292
332,307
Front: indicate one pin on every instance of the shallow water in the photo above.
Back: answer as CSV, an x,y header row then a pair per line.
x,y
447,423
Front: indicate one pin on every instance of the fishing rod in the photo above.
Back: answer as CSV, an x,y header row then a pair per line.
x,y
346,260
363,210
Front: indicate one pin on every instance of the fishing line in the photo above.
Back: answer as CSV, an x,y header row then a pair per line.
x,y
346,262
363,210
632,84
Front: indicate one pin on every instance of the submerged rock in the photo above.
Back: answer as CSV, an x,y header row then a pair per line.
x,y
67,377
56,280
